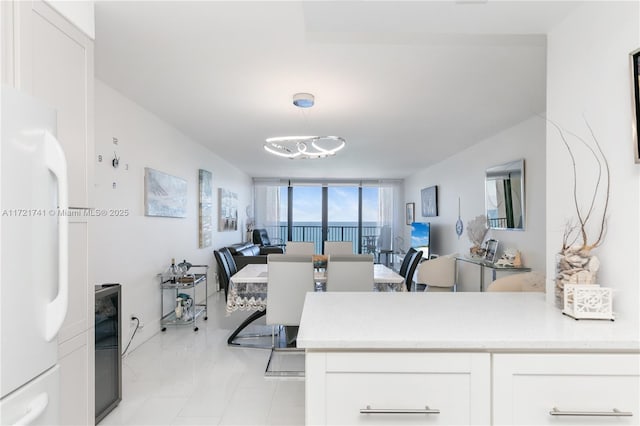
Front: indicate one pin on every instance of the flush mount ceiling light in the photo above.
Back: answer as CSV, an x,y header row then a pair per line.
x,y
303,100
304,147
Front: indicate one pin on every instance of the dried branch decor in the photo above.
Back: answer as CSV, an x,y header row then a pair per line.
x,y
583,218
575,263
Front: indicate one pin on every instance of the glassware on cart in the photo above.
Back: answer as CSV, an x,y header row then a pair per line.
x,y
173,273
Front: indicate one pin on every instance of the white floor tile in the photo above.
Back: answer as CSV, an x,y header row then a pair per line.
x,y
179,377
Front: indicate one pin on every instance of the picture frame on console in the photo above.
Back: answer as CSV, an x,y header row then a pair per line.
x,y
635,104
492,249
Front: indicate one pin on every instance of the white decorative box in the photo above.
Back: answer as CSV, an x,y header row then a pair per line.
x,y
588,301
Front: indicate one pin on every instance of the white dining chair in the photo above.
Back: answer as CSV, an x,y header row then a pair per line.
x,y
350,272
301,247
290,278
338,247
438,274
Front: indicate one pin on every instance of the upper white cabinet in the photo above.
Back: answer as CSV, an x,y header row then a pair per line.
x,y
54,62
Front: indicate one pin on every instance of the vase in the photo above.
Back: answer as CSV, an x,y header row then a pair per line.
x,y
574,266
476,252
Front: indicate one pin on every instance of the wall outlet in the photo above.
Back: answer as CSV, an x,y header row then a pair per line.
x,y
135,320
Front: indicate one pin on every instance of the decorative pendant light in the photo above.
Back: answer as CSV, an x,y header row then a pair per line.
x,y
304,147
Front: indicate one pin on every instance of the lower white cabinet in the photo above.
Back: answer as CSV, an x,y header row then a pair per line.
x,y
392,388
75,357
437,388
566,389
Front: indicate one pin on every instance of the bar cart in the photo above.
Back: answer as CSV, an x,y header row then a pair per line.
x,y
183,290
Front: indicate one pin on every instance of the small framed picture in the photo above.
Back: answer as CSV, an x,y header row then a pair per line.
x,y
429,199
411,213
492,249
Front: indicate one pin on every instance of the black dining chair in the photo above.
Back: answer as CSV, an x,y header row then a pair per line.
x,y
414,261
226,268
406,261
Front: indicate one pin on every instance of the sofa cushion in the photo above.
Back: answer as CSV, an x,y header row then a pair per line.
x,y
271,249
244,249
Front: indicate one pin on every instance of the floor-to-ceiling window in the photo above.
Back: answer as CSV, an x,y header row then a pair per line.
x,y
329,211
343,215
306,214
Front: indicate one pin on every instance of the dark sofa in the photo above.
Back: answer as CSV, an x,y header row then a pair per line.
x,y
246,253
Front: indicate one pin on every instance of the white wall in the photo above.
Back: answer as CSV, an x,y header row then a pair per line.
x,y
79,13
132,250
588,73
462,175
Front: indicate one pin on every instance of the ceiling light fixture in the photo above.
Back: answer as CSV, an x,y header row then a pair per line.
x,y
304,147
303,100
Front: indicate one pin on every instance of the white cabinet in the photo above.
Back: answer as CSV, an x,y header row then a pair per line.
x,y
54,62
76,380
405,387
582,388
393,388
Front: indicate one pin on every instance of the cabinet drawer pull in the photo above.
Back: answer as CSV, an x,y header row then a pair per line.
x,y
613,413
425,410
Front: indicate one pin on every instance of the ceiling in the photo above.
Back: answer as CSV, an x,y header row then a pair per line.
x,y
407,84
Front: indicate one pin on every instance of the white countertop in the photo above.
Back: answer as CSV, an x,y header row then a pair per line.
x,y
455,321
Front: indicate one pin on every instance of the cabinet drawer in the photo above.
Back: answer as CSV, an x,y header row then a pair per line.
x,y
397,388
527,387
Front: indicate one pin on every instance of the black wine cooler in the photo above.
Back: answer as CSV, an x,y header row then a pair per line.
x,y
108,347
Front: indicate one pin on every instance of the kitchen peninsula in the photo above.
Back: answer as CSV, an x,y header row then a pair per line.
x,y
464,358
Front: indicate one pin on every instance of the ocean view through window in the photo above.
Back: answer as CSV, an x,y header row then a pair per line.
x,y
318,212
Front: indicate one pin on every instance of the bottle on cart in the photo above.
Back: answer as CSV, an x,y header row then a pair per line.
x,y
173,272
179,308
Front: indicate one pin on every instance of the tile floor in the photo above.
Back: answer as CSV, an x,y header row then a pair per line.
x,y
181,377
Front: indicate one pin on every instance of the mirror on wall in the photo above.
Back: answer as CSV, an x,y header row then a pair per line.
x,y
504,195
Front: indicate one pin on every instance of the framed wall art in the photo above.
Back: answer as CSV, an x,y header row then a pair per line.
x,y
635,102
410,213
228,210
429,199
164,195
205,227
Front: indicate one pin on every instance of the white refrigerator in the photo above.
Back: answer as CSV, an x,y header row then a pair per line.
x,y
33,260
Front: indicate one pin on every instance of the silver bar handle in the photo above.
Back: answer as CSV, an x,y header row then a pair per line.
x,y
426,410
613,413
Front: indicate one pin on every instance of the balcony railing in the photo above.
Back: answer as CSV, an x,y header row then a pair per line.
x,y
334,233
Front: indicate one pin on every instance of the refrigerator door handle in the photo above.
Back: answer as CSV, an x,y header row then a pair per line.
x,y
57,309
34,410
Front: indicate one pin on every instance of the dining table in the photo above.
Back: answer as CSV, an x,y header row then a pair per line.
x,y
248,289
248,286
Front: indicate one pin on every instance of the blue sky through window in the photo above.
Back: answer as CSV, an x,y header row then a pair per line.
x,y
343,204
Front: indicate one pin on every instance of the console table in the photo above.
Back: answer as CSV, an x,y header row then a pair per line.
x,y
494,268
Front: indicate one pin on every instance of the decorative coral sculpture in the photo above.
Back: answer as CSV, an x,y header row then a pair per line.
x,y
476,231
